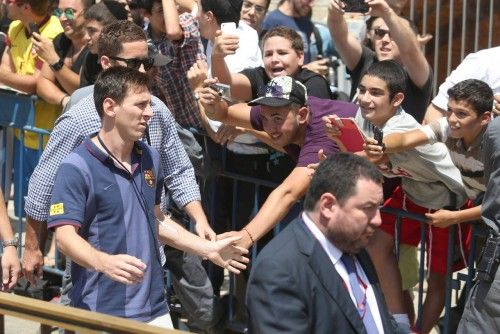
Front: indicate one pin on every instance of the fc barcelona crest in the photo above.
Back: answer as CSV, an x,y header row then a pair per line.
x,y
149,177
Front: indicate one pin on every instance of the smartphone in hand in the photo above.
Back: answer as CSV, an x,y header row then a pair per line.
x,y
378,135
228,28
34,28
356,6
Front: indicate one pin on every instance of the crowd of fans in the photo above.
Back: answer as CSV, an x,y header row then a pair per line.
x,y
147,101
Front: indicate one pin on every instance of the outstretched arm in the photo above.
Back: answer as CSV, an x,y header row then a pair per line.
x,y
275,207
222,252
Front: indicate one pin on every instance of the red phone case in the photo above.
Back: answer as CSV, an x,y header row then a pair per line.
x,y
351,135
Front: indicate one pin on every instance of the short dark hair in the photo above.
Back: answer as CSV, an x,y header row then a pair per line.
x,y
106,12
475,92
87,3
114,83
223,10
147,5
114,35
339,175
38,7
286,33
391,73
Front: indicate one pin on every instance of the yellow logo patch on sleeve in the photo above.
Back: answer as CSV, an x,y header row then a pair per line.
x,y
57,209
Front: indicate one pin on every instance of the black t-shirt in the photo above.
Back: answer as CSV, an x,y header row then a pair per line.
x,y
62,45
316,85
3,43
90,70
416,99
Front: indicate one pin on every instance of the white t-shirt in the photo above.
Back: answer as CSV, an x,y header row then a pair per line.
x,y
428,174
482,65
248,55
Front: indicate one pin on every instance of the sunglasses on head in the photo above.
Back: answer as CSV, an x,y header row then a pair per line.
x,y
68,12
381,32
135,63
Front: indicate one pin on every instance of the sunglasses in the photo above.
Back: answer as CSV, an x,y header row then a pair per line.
x,y
68,12
135,63
381,32
247,5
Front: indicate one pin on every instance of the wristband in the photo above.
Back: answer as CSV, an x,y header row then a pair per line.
x,y
244,229
11,242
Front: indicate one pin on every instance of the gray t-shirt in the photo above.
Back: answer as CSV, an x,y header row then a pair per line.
x,y
467,159
429,177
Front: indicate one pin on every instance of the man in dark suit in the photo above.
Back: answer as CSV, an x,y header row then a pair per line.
x,y
315,276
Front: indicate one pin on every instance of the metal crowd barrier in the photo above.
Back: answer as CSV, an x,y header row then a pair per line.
x,y
18,113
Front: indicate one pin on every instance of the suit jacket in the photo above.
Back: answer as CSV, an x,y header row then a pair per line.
x,y
294,288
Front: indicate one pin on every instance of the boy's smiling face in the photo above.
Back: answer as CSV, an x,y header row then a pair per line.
x,y
464,121
375,102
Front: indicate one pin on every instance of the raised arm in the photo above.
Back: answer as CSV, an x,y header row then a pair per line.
x,y
171,15
69,80
225,45
411,56
348,47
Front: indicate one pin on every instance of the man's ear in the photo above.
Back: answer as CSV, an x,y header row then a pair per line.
x,y
327,205
105,62
108,106
209,16
398,99
485,118
303,114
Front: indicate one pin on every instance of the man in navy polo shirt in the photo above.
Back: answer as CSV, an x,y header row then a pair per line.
x,y
105,205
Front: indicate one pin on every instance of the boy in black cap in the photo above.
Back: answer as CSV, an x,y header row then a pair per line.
x,y
292,120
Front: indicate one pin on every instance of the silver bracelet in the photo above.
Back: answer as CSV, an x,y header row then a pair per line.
x,y
11,242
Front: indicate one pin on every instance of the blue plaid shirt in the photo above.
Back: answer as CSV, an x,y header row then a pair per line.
x,y
81,121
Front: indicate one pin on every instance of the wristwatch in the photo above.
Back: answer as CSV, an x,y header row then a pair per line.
x,y
57,66
11,242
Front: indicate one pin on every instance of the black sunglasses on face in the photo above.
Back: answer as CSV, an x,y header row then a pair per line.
x,y
135,63
381,32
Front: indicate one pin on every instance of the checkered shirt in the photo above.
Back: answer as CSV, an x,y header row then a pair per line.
x,y
172,79
82,121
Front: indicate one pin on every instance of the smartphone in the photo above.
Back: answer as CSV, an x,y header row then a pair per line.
x,y
34,27
223,90
356,6
378,135
351,135
228,28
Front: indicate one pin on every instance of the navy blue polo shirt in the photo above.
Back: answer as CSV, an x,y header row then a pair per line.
x,y
101,199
